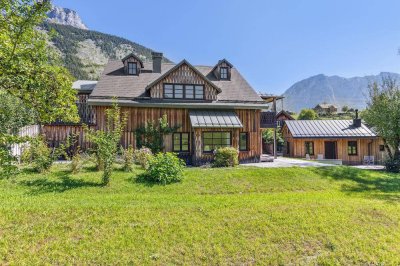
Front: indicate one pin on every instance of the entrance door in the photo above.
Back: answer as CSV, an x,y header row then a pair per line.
x,y
330,149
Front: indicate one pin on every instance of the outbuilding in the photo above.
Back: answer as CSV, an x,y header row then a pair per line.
x,y
341,141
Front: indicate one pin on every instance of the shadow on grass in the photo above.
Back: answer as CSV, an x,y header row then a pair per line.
x,y
142,179
379,185
63,182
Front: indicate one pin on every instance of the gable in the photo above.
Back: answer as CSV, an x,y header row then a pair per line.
x,y
183,73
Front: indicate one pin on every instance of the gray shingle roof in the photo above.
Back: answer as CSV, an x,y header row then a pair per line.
x,y
328,129
214,119
114,83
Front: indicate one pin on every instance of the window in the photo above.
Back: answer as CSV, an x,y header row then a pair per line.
x,y
309,147
223,73
183,91
132,68
180,142
243,141
381,147
199,92
189,91
352,148
215,140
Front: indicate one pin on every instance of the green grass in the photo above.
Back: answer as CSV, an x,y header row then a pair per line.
x,y
335,215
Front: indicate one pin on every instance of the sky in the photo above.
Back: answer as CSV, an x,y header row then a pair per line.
x,y
272,43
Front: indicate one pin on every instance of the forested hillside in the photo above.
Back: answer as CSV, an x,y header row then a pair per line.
x,y
85,52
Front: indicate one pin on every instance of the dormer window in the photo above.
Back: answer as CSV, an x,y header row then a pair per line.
x,y
223,73
132,68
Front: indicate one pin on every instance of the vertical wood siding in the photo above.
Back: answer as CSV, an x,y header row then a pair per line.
x,y
184,75
137,117
297,148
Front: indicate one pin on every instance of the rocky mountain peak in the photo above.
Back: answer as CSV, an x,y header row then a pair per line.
x,y
65,16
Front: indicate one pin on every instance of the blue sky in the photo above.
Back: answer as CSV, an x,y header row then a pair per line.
x,y
273,43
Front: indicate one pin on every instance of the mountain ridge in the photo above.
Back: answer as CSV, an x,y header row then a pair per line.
x,y
320,88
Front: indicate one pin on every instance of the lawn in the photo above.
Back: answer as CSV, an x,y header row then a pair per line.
x,y
335,215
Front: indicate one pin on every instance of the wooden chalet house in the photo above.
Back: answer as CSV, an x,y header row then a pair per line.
x,y
325,109
212,106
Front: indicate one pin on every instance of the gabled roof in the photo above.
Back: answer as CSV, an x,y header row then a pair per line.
x,y
328,129
134,56
84,85
283,112
183,62
222,61
114,82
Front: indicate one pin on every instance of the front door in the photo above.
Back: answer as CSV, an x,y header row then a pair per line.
x,y
330,149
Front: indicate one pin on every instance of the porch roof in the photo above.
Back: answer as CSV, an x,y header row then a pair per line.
x,y
214,119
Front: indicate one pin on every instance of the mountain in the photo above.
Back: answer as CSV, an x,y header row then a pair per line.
x,y
336,90
85,52
65,16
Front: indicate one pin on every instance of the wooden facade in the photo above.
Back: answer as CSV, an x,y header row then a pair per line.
x,y
296,147
183,75
138,116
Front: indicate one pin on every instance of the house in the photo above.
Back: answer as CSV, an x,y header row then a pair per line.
x,y
212,106
325,109
281,117
349,141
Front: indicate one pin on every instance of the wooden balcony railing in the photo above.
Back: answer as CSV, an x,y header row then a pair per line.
x,y
268,120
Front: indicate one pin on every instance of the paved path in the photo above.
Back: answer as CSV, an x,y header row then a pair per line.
x,y
288,162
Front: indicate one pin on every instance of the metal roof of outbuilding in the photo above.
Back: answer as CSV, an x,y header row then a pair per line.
x,y
328,129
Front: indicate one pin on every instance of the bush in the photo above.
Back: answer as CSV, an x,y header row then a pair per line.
x,y
165,168
143,157
127,156
38,154
77,163
392,165
225,157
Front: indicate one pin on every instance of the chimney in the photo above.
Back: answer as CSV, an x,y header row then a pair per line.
x,y
157,58
357,121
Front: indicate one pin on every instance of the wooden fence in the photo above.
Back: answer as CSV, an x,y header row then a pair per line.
x,y
27,131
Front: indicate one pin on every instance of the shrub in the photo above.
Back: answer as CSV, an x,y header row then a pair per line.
x,y
392,165
77,163
143,157
165,168
127,156
225,157
38,154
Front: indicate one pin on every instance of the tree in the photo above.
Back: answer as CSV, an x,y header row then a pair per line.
x,y
307,114
345,109
268,136
29,69
383,113
106,141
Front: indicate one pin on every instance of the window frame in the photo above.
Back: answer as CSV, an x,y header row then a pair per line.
x,y
137,70
184,88
227,73
247,141
180,141
312,147
213,145
350,151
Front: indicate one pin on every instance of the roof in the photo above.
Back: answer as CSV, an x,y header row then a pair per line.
x,y
84,85
214,119
134,56
115,83
284,113
328,129
326,105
